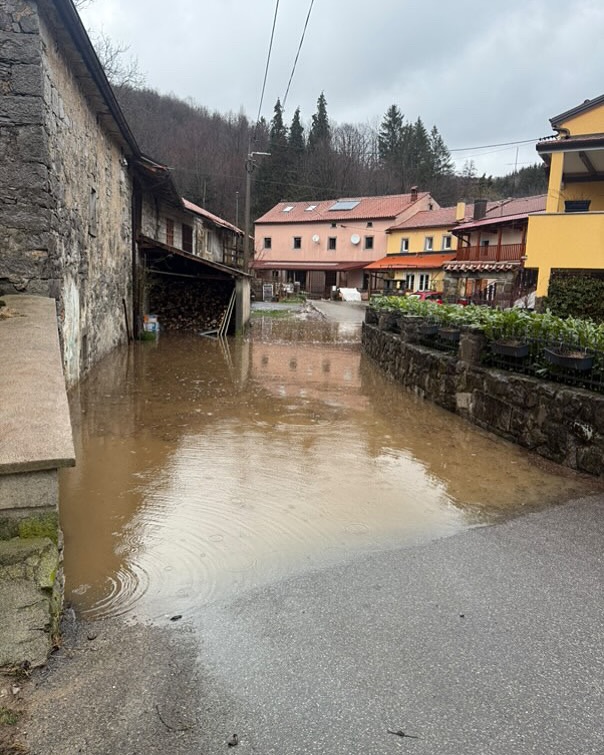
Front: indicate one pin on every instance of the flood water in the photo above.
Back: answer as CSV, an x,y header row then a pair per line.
x,y
204,469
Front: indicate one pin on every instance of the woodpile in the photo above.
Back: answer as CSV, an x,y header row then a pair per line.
x,y
187,304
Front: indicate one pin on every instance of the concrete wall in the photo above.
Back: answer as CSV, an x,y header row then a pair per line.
x,y
559,423
65,219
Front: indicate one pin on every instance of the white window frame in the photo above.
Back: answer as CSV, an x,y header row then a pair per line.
x,y
405,244
447,242
424,281
428,243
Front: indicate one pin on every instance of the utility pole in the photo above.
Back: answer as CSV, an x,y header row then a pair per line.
x,y
250,166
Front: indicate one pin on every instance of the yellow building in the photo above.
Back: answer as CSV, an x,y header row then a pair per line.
x,y
569,235
416,250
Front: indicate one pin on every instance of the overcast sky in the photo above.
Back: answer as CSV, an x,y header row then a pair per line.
x,y
484,72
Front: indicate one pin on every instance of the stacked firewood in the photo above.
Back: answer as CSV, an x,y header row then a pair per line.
x,y
187,304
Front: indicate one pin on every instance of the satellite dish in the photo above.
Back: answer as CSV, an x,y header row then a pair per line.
x,y
315,238
355,238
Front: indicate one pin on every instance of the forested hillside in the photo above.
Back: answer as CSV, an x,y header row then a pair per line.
x,y
310,158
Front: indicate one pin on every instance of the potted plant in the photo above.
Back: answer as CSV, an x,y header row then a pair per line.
x,y
569,358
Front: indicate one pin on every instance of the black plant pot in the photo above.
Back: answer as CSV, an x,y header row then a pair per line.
x,y
570,360
429,329
450,334
513,349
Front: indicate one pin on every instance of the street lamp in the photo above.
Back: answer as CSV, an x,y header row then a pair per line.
x,y
250,166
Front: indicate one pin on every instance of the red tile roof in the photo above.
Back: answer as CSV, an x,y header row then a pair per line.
x,y
416,261
210,216
368,208
444,216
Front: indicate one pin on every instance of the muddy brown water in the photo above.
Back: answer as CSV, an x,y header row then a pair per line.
x,y
204,468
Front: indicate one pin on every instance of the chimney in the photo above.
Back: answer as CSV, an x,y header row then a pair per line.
x,y
414,193
480,208
460,212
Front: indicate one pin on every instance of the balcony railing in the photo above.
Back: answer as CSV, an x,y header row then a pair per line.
x,y
500,253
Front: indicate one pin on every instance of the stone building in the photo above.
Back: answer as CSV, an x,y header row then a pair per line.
x,y
74,185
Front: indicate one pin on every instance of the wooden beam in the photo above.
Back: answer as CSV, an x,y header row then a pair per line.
x,y
588,164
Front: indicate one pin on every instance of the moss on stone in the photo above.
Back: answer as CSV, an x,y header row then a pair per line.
x,y
40,525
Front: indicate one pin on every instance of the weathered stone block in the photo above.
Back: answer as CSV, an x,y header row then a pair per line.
x,y
20,48
27,79
29,490
590,459
21,110
471,344
492,412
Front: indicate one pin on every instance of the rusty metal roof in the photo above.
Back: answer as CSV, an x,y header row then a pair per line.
x,y
211,217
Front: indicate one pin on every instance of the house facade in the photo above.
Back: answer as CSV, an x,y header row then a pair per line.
x,y
489,264
569,235
416,250
321,244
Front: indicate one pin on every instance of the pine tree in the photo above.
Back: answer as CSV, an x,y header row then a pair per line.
x,y
274,174
297,142
320,130
390,138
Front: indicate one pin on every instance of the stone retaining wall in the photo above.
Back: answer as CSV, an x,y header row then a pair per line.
x,y
36,440
560,423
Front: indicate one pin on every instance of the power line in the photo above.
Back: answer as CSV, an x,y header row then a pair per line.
x,y
268,60
487,146
298,53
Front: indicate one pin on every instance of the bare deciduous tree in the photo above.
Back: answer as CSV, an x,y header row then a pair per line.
x,y
120,69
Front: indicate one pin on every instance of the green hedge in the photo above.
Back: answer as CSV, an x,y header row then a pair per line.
x,y
576,296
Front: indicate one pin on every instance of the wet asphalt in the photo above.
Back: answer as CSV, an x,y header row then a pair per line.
x,y
485,643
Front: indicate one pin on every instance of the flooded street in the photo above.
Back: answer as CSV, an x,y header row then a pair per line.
x,y
205,469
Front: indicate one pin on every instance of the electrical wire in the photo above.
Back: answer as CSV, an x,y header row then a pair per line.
x,y
298,53
487,146
268,60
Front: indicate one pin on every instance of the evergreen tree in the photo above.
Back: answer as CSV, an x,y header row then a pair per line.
x,y
441,157
297,142
320,130
274,173
320,162
390,138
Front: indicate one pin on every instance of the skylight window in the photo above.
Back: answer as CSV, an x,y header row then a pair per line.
x,y
310,207
289,208
345,204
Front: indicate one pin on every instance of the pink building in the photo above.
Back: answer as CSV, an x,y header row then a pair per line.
x,y
328,243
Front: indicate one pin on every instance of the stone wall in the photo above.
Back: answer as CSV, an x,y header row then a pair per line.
x,y
65,218
36,442
557,422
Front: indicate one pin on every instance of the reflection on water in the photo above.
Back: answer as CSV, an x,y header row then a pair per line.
x,y
205,469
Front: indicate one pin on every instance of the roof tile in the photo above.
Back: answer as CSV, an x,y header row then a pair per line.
x,y
388,206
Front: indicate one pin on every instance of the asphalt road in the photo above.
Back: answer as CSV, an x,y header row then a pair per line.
x,y
485,643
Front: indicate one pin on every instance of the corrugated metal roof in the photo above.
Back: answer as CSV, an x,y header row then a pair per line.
x,y
368,208
407,261
210,216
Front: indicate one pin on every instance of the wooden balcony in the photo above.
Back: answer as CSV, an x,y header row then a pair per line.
x,y
494,253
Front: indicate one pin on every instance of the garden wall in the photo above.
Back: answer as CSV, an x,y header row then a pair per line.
x,y
558,422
